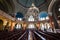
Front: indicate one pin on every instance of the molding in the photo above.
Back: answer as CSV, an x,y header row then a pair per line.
x,y
6,15
50,7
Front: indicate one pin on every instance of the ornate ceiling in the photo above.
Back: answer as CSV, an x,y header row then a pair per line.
x,y
7,5
14,6
27,3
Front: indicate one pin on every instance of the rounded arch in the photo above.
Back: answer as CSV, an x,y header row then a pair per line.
x,y
31,26
43,14
1,21
42,26
50,7
1,24
52,13
31,18
18,26
19,15
56,8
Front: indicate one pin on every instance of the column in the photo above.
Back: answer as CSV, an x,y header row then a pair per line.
x,y
51,25
12,26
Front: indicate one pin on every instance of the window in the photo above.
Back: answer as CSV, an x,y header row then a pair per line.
x,y
19,19
41,19
47,25
30,26
43,16
31,18
19,16
47,18
18,26
42,27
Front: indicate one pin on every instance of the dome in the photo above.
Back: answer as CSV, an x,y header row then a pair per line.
x,y
43,14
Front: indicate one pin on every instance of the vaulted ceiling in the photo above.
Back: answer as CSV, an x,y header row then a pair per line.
x,y
27,3
13,6
7,5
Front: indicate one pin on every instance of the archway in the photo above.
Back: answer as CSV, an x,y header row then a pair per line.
x,y
18,26
19,16
43,18
56,14
42,27
52,12
31,18
31,26
1,24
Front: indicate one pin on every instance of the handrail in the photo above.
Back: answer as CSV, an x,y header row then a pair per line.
x,y
12,36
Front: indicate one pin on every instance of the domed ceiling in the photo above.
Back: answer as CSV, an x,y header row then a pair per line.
x,y
28,3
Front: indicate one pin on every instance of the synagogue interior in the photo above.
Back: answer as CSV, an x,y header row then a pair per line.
x,y
29,19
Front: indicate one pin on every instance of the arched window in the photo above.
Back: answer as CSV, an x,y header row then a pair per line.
x,y
47,18
42,27
1,24
47,25
31,26
18,26
19,19
31,18
43,16
19,16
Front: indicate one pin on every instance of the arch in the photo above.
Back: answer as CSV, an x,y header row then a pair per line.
x,y
52,13
47,25
31,18
19,15
31,26
1,24
42,26
1,21
43,16
50,7
56,8
18,26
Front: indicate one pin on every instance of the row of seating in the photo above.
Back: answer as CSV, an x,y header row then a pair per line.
x,y
56,35
49,36
23,35
11,34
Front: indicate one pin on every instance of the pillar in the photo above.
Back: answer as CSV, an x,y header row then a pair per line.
x,y
24,25
12,26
